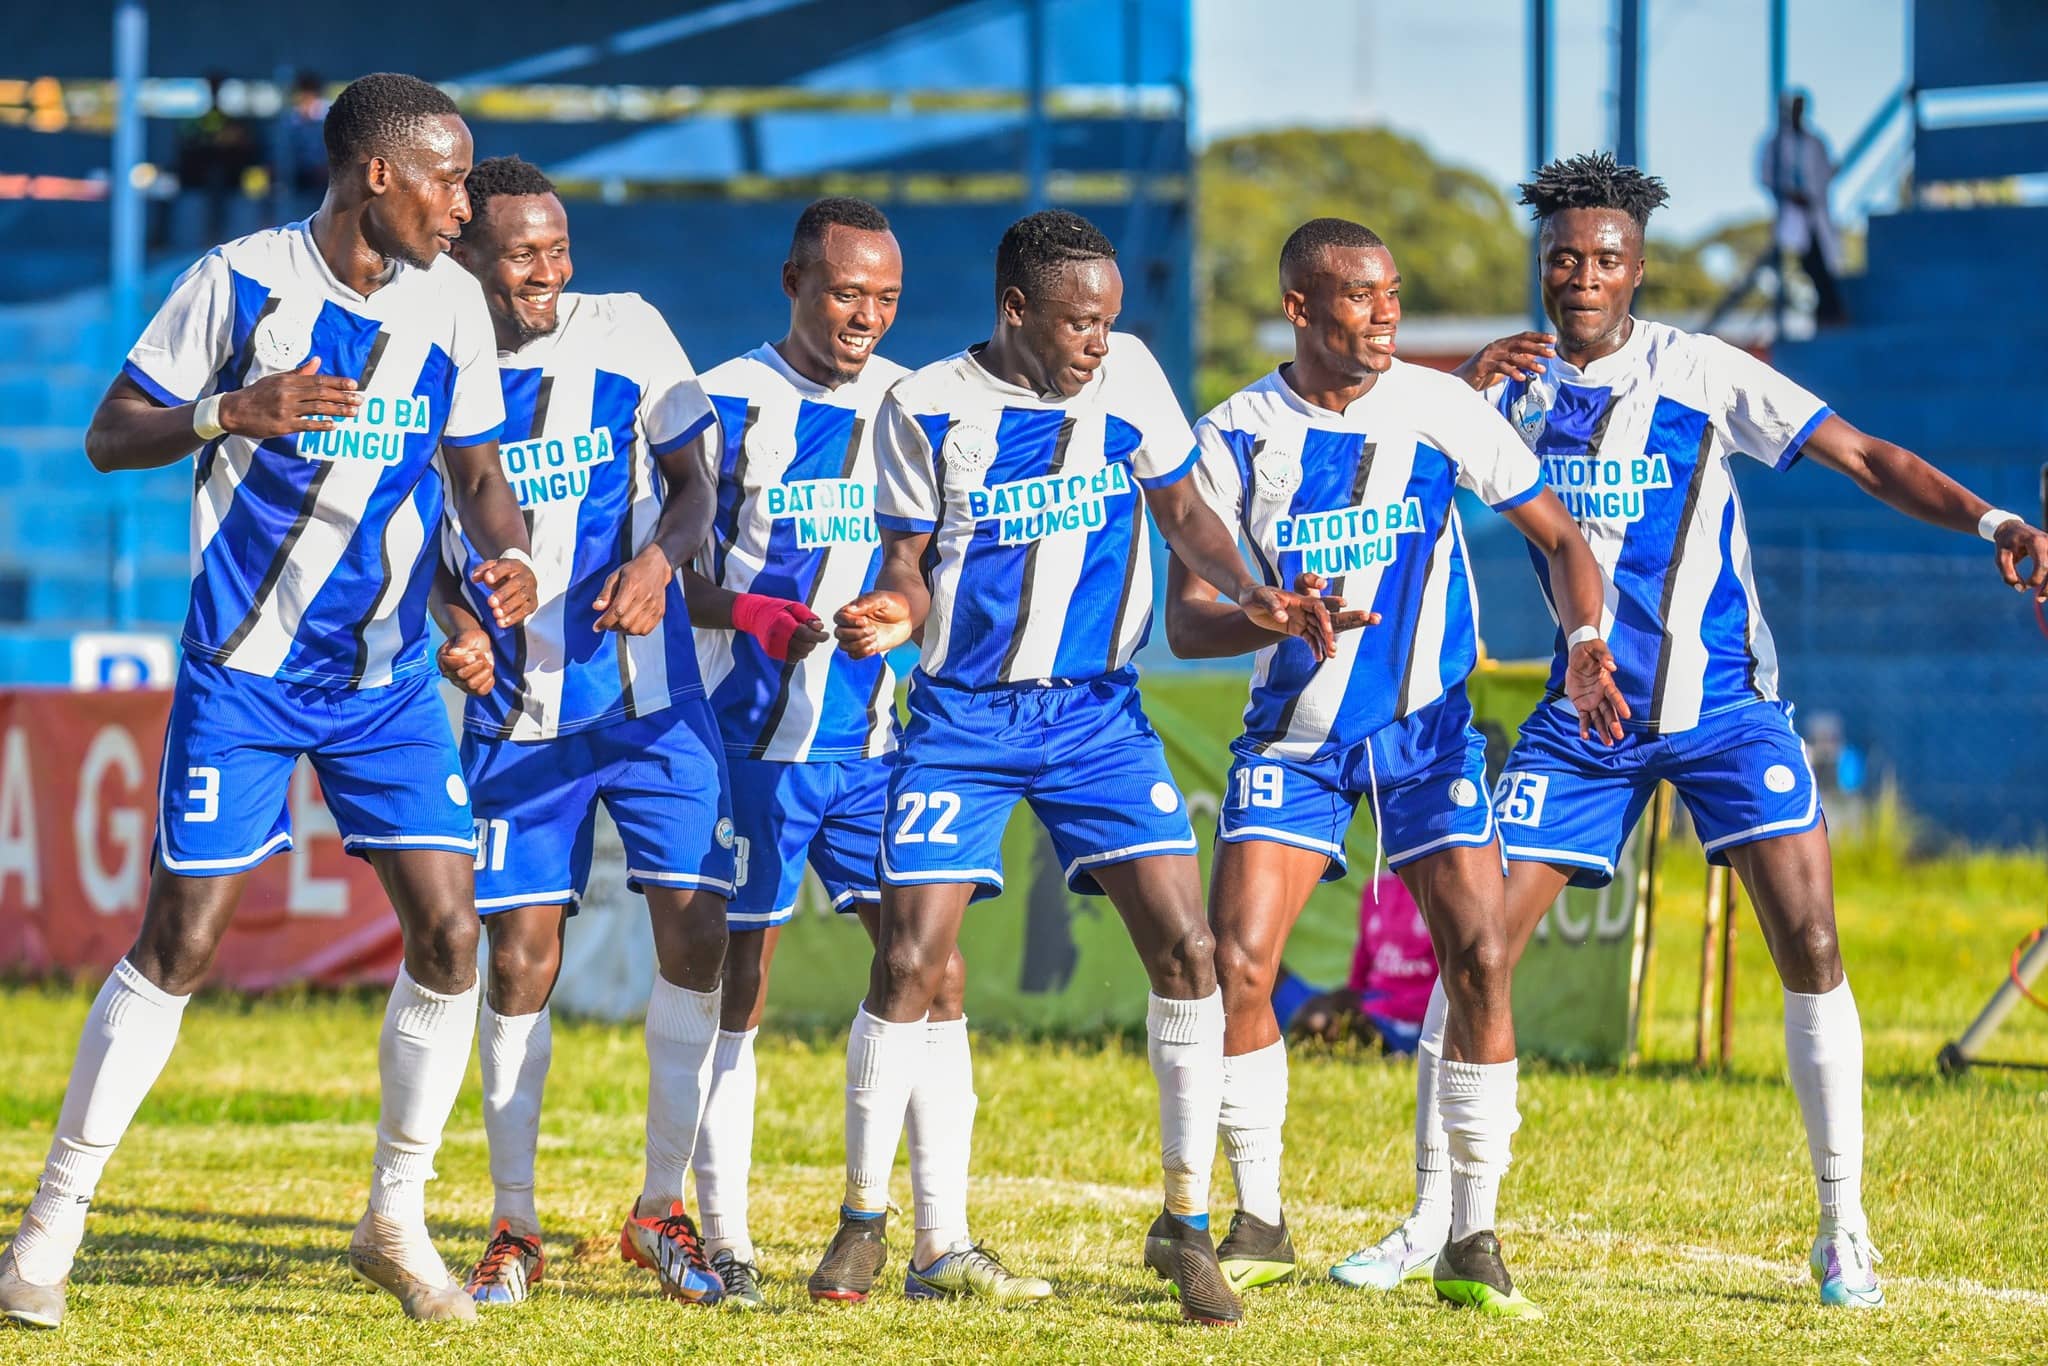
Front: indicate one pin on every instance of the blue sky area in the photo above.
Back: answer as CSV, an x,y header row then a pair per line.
x,y
1453,74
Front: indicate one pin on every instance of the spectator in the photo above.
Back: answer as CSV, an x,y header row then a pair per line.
x,y
1393,968
1794,167
214,151
302,153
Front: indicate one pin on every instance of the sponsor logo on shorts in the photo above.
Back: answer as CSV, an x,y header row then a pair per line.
x,y
1464,792
458,791
1779,778
722,832
1164,797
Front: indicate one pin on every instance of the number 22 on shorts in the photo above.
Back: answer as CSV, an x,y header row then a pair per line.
x,y
942,807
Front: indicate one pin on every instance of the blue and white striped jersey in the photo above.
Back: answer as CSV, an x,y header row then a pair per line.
x,y
312,553
1041,569
796,520
1637,445
588,408
1367,498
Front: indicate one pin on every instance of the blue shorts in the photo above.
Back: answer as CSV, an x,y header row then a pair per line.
x,y
828,814
1429,770
1742,774
1082,754
661,776
385,759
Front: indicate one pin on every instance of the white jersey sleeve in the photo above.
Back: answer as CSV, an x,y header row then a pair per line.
x,y
1491,458
476,411
673,407
1166,450
907,493
1764,415
189,339
1217,480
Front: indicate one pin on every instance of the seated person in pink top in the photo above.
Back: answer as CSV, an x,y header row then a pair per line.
x,y
1392,971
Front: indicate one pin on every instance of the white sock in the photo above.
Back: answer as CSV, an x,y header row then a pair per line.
x,y
725,1145
1824,1052
1430,1221
516,1051
940,1120
127,1039
1254,1112
1478,1104
681,1025
1184,1040
422,1055
882,1063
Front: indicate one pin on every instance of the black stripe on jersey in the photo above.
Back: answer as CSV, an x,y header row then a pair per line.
x,y
766,738
203,466
1059,460
1367,450
722,544
1408,669
1244,514
1140,545
542,395
1692,499
928,563
298,528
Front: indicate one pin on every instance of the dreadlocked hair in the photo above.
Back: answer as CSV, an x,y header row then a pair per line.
x,y
1594,180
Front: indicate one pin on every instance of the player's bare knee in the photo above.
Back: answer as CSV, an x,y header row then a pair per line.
x,y
1184,965
908,976
1242,970
440,951
951,1001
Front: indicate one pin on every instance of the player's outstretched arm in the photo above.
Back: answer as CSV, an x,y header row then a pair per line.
x,y
465,656
892,612
131,430
635,595
1198,538
1902,479
785,628
1516,357
489,516
1581,599
1200,625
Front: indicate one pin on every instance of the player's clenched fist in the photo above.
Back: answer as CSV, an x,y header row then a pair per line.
x,y
514,590
872,624
784,629
634,597
465,660
301,400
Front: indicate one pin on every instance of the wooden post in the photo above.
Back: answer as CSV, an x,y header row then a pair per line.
x,y
1730,902
1710,949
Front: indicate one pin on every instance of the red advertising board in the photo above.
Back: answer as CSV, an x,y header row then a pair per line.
x,y
78,784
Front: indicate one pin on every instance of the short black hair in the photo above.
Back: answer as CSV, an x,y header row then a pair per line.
x,y
497,176
1305,246
1035,247
1594,180
833,211
374,115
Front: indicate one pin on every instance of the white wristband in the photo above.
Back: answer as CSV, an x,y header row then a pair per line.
x,y
515,553
1581,636
1990,522
206,418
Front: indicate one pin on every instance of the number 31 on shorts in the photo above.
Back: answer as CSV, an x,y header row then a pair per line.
x,y
914,807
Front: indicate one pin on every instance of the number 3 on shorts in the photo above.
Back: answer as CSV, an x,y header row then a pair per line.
x,y
943,807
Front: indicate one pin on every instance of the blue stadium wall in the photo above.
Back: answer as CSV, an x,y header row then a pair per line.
x,y
703,242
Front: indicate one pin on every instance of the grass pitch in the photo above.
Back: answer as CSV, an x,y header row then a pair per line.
x,y
1656,1215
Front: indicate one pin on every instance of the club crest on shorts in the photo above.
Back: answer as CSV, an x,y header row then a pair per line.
x,y
970,449
1276,474
722,832
275,349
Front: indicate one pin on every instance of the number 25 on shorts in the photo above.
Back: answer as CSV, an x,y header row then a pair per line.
x,y
912,808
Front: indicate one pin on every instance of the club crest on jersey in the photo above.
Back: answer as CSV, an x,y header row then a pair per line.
x,y
970,449
377,431
1598,488
275,348
1053,505
554,469
826,511
768,457
1276,475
